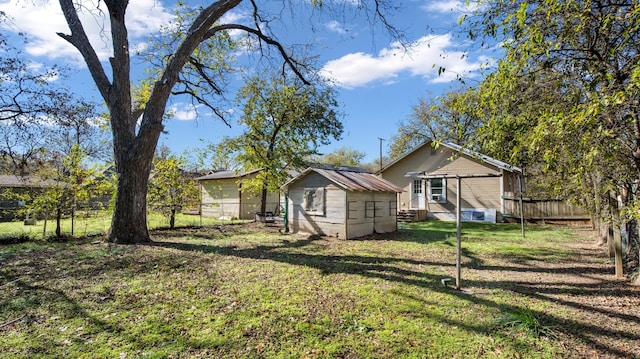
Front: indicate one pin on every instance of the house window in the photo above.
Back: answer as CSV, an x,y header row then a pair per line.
x,y
438,190
313,201
417,186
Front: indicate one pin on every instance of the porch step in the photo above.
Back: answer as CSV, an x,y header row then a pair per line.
x,y
406,216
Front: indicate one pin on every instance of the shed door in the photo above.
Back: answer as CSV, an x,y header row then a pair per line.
x,y
418,196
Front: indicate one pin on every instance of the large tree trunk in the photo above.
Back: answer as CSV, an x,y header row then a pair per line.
x,y
58,220
129,221
134,151
172,219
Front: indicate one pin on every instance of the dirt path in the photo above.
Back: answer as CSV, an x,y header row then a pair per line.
x,y
595,315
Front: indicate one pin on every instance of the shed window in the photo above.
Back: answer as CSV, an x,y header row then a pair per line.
x,y
313,201
369,209
378,209
352,210
438,190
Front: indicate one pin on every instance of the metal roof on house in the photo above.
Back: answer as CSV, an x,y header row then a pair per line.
x,y
484,158
459,149
351,180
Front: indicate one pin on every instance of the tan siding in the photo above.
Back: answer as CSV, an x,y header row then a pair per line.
x,y
221,197
480,193
386,207
462,165
380,220
476,192
335,206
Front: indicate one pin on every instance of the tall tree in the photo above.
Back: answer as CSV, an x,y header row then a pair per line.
x,y
27,90
446,118
343,156
30,95
22,147
137,125
566,92
211,157
27,144
67,185
171,189
78,123
285,123
570,68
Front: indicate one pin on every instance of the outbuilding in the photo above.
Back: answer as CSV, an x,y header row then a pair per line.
x,y
343,202
223,196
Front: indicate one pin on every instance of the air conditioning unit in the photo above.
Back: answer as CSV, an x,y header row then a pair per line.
x,y
435,197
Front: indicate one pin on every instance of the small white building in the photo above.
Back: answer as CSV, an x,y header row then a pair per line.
x,y
223,196
343,202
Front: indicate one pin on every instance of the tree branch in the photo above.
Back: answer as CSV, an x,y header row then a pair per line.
x,y
293,65
80,41
203,102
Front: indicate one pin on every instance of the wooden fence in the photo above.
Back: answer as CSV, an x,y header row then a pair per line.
x,y
543,209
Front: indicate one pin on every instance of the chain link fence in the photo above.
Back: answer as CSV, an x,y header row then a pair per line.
x,y
85,222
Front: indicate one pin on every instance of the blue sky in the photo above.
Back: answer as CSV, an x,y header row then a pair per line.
x,y
378,82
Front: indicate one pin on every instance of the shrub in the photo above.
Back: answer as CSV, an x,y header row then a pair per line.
x,y
523,319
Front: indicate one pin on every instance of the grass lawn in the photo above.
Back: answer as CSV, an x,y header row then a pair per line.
x,y
246,291
95,223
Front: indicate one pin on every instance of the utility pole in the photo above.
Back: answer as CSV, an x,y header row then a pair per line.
x,y
381,139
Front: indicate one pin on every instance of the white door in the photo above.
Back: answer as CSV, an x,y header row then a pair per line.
x,y
418,198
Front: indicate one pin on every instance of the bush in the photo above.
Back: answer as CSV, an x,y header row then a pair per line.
x,y
523,319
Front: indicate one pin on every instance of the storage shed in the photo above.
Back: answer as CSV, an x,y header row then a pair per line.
x,y
343,202
223,196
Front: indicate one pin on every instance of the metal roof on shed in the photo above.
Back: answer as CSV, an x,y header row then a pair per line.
x,y
25,181
352,181
226,175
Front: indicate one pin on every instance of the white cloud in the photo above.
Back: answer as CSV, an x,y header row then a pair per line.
x,y
45,75
423,58
455,6
346,2
183,112
41,22
335,26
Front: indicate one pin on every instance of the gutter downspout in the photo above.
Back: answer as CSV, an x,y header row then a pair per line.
x,y
502,191
240,201
286,212
346,214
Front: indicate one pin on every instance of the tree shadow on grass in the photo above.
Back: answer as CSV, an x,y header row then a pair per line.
x,y
35,302
59,304
393,269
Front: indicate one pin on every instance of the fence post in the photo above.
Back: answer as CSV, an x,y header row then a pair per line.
x,y
521,206
617,240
